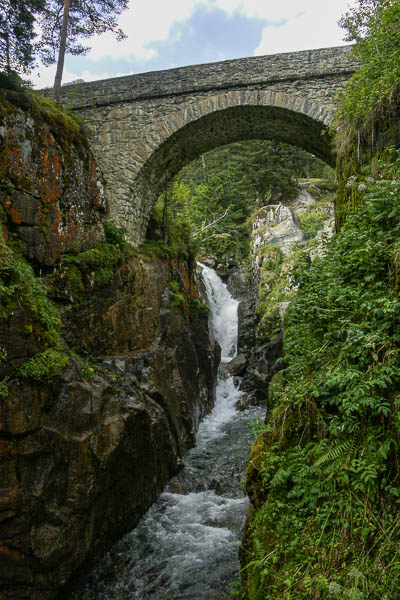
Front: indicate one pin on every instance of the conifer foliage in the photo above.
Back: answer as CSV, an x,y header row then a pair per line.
x,y
17,34
62,24
66,22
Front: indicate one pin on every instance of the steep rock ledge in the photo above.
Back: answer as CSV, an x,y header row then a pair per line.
x,y
88,443
83,459
51,188
279,232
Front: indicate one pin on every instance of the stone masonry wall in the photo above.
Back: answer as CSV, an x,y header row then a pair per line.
x,y
241,72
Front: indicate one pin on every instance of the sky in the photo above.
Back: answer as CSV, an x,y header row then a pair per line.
x,y
163,34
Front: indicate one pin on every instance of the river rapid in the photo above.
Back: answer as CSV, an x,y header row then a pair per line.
x,y
186,546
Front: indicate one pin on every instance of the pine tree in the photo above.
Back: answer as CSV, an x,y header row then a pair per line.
x,y
17,35
65,22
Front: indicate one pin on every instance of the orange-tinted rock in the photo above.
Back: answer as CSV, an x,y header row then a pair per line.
x,y
53,194
82,459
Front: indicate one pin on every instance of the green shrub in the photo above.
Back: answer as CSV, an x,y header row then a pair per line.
x,y
3,389
45,365
198,308
327,470
177,300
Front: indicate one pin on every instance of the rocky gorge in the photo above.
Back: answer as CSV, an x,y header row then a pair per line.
x,y
106,367
105,361
280,232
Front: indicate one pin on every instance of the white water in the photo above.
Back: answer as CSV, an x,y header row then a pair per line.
x,y
186,545
223,317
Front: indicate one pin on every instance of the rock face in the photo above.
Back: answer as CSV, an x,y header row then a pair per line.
x,y
81,460
276,231
276,224
50,185
271,266
86,451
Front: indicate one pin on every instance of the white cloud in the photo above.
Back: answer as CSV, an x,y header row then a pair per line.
x,y
46,77
295,26
143,22
309,24
314,27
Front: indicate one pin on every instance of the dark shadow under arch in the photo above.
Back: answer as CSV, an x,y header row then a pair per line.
x,y
224,127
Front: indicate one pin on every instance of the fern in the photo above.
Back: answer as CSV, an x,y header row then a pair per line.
x,y
339,455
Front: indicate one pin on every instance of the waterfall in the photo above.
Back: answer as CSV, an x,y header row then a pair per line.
x,y
223,313
186,546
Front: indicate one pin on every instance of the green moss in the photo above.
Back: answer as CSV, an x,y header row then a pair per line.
x,y
45,365
3,389
79,270
63,124
177,300
275,385
198,309
275,287
6,106
85,364
104,276
20,287
73,280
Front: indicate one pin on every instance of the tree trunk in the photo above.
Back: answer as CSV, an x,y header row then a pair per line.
x,y
165,217
8,67
61,51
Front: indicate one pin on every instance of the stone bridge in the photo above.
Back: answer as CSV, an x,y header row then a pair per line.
x,y
145,128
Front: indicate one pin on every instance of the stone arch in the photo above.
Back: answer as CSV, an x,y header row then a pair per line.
x,y
219,119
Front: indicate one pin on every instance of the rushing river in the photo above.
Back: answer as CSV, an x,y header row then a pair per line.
x,y
186,546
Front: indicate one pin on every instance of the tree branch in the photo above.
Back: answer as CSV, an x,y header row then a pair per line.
x,y
205,227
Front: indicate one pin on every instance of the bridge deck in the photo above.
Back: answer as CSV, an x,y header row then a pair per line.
x,y
227,74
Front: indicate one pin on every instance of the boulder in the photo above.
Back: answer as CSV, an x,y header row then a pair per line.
x,y
276,224
237,365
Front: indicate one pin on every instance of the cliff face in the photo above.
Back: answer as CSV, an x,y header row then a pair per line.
x,y
51,188
279,232
105,371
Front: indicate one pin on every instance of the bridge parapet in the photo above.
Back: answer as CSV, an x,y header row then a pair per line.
x,y
238,73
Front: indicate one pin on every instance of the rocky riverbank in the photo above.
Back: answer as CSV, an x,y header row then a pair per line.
x,y
105,363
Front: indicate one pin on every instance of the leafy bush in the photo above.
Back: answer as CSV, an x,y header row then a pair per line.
x,y
198,308
45,365
374,26
327,472
312,220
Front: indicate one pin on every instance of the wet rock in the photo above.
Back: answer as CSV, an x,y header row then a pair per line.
x,y
237,365
243,402
81,460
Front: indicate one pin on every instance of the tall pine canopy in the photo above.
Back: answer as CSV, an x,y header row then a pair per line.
x,y
17,35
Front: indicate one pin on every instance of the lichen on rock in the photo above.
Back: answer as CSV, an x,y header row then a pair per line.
x,y
103,380
52,191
